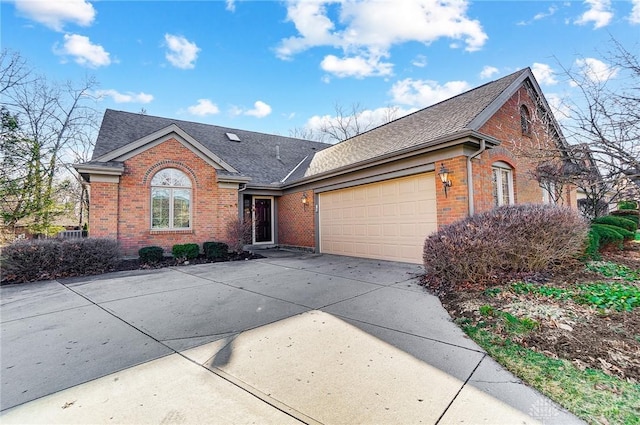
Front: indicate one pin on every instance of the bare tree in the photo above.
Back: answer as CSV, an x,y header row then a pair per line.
x,y
346,123
45,127
605,118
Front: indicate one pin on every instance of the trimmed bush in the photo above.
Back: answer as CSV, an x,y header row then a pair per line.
x,y
41,259
624,232
627,205
150,254
619,221
185,251
633,215
608,235
506,240
593,245
215,250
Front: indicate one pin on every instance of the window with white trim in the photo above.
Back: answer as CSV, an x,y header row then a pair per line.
x,y
548,192
170,200
502,179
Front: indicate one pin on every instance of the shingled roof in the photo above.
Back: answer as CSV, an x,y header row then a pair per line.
x,y
256,155
431,124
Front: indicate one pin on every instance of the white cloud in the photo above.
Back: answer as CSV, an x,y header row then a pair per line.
x,y
595,70
368,118
488,72
423,93
366,30
128,97
599,13
231,5
419,61
203,108
634,17
56,13
561,111
551,11
182,53
83,51
260,110
544,74
357,66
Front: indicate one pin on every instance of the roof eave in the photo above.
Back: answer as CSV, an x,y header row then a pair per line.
x,y
449,140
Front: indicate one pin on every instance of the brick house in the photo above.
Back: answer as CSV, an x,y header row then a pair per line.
x,y
160,181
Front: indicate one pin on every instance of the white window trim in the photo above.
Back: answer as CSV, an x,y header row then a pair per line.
x,y
504,167
171,198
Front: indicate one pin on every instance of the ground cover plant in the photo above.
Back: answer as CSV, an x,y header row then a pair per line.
x,y
573,333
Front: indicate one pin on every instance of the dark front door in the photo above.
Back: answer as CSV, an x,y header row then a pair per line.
x,y
262,220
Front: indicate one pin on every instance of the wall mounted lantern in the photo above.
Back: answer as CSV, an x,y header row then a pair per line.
x,y
444,177
305,200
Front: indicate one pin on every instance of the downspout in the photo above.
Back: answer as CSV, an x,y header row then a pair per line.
x,y
483,147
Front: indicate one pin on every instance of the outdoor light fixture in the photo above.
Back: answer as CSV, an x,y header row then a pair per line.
x,y
444,177
305,200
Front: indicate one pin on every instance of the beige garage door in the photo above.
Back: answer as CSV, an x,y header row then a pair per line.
x,y
388,220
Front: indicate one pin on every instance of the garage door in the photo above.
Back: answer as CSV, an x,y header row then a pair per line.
x,y
388,220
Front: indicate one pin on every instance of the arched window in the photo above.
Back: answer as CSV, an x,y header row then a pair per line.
x,y
502,184
170,200
525,120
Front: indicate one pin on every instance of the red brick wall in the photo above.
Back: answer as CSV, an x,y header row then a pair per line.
x,y
454,206
521,152
211,206
296,222
103,210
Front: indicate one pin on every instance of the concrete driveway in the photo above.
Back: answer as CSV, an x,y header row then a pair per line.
x,y
287,339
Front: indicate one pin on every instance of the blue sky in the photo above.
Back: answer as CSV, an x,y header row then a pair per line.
x,y
272,66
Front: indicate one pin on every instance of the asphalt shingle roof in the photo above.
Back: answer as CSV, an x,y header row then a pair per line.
x,y
421,127
254,155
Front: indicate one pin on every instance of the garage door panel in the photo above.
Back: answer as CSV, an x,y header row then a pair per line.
x,y
385,220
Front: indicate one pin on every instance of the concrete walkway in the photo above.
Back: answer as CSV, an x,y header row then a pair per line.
x,y
291,338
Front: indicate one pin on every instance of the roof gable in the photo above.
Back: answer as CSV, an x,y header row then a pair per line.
x,y
127,151
459,115
266,158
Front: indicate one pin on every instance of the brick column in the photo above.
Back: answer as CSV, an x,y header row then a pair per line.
x,y
103,209
455,205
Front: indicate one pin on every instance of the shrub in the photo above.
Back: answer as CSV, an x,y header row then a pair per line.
x,y
185,251
608,235
150,254
624,232
627,205
619,221
238,233
632,215
213,250
593,245
506,240
27,261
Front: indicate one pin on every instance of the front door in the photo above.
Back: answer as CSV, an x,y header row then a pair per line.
x,y
262,220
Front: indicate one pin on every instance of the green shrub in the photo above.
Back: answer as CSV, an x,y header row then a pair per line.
x,y
150,254
627,235
185,251
608,235
214,250
506,240
627,205
593,245
619,221
41,259
632,215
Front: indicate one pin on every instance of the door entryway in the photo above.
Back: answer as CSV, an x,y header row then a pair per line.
x,y
262,219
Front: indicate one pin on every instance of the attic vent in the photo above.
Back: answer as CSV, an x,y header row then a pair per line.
x,y
233,137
